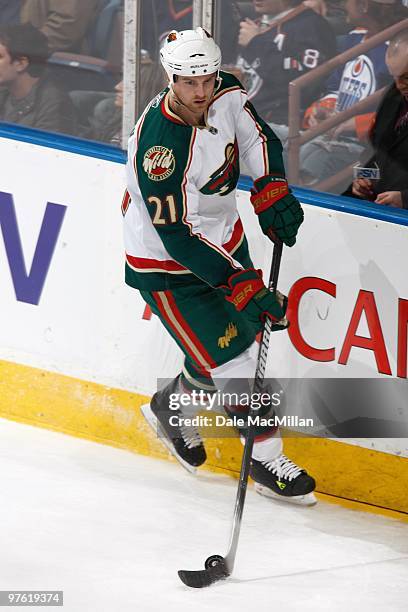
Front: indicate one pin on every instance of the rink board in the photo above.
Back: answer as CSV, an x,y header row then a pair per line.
x,y
80,352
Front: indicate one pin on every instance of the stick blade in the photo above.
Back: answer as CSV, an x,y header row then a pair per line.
x,y
197,579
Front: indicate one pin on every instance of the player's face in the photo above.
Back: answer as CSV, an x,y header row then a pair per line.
x,y
398,68
268,7
195,92
8,68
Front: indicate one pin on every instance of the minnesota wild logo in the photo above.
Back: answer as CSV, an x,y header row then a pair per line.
x,y
225,178
230,333
159,163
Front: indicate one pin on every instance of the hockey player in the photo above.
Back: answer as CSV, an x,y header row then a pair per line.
x,y
186,249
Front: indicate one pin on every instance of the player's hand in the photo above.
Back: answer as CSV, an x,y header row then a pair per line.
x,y
390,198
247,292
280,213
363,188
248,29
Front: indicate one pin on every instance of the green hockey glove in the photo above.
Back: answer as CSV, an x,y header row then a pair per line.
x,y
280,213
249,295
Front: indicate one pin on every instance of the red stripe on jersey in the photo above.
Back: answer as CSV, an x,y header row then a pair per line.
x,y
188,340
125,202
166,265
201,371
147,313
188,330
236,237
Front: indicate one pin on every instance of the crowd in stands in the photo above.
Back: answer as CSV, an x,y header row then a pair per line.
x,y
389,136
349,84
27,95
61,71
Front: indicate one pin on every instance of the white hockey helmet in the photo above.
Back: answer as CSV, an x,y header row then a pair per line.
x,y
190,53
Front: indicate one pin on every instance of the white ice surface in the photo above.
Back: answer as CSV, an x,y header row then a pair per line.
x,y
111,529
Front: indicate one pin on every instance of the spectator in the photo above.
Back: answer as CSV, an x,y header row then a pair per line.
x,y
106,121
336,15
356,80
228,19
27,96
389,136
276,49
10,11
319,6
159,17
100,112
64,22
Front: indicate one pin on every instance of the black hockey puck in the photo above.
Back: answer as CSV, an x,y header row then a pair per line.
x,y
214,561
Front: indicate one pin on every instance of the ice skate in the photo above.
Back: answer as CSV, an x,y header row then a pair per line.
x,y
183,441
284,480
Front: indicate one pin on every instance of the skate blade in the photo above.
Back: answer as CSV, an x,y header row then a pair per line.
x,y
158,430
300,500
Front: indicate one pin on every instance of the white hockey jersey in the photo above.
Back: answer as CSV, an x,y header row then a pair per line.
x,y
180,211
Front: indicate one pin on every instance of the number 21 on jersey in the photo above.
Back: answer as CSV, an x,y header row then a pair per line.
x,y
165,212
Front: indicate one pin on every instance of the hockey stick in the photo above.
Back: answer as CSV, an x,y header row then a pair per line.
x,y
216,566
